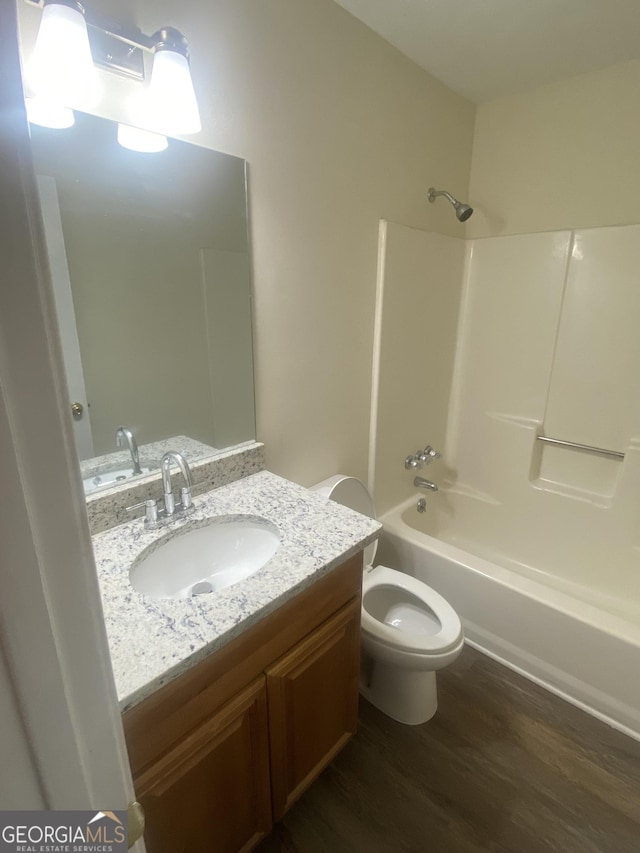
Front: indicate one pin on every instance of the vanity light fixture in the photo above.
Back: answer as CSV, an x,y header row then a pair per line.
x,y
71,41
47,114
61,69
137,139
171,96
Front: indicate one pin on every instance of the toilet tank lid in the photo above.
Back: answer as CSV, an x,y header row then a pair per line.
x,y
352,493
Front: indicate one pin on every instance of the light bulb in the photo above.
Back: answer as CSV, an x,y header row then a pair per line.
x,y
61,68
170,102
137,139
47,114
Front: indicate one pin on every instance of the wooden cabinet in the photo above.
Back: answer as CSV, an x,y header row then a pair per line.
x,y
313,705
211,791
227,747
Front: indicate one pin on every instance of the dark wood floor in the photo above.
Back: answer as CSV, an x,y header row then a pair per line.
x,y
503,766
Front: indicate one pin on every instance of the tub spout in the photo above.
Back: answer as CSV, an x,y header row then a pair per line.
x,y
422,483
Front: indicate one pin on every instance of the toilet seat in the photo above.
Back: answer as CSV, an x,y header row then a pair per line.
x,y
419,641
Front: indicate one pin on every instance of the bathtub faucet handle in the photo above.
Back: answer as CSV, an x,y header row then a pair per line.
x,y
421,457
428,455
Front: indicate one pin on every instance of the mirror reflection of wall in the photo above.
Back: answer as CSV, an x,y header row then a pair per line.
x,y
151,267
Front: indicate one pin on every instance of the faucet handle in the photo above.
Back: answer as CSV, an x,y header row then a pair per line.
x,y
421,457
186,499
429,454
151,511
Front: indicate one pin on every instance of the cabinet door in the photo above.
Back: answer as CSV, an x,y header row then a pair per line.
x,y
211,791
313,704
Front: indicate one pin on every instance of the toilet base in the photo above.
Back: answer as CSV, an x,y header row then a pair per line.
x,y
408,696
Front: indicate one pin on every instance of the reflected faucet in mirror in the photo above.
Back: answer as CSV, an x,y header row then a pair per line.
x,y
125,436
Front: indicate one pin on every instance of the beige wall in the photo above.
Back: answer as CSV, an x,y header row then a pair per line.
x,y
339,130
562,156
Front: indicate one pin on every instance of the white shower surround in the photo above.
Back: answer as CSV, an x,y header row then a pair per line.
x,y
579,651
536,547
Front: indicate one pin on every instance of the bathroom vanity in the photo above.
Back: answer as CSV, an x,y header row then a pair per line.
x,y
226,748
234,702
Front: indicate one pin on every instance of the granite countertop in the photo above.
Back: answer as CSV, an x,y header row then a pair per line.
x,y
152,641
150,456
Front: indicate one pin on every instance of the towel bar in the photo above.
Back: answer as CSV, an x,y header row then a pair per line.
x,y
615,454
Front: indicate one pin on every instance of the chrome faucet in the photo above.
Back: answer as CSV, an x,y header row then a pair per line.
x,y
124,435
422,483
157,517
421,457
186,504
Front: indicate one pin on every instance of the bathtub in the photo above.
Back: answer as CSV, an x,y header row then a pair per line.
x,y
555,634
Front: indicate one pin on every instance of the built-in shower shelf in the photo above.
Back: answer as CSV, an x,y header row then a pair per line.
x,y
577,471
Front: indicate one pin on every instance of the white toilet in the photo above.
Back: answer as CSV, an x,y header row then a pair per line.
x,y
408,630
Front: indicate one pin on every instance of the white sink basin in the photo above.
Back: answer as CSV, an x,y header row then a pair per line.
x,y
109,478
224,551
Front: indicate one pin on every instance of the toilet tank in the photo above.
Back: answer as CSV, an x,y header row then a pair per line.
x,y
352,493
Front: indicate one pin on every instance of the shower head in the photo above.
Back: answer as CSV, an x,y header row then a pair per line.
x,y
463,211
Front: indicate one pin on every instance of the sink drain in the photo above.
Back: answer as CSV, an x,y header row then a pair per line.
x,y
201,588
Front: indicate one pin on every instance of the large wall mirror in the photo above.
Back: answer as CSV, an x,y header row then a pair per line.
x,y
150,260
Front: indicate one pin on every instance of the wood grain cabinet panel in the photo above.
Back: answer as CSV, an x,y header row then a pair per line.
x,y
210,794
313,704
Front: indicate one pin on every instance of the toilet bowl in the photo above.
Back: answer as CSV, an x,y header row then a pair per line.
x,y
409,631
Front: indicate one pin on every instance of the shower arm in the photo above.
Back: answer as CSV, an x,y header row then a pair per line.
x,y
433,194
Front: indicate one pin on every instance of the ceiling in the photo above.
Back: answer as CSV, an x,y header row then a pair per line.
x,y
483,49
